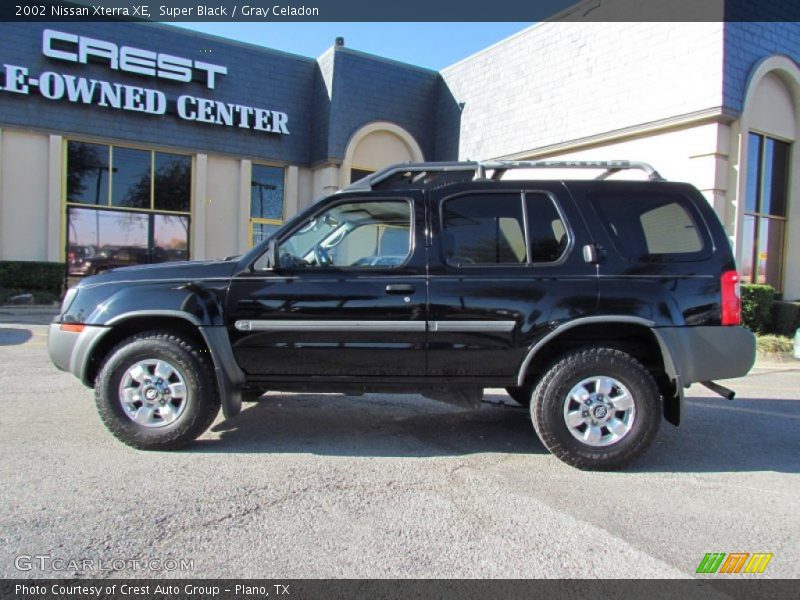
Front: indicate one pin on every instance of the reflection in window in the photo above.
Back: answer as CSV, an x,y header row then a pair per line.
x,y
126,184
766,192
173,182
354,234
99,240
170,238
266,201
130,180
87,173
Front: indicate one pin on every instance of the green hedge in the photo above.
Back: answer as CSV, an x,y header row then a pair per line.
x,y
757,306
32,276
785,318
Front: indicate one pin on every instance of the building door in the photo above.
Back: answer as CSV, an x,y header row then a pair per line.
x,y
347,299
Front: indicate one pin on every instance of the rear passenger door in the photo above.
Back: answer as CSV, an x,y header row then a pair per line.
x,y
503,264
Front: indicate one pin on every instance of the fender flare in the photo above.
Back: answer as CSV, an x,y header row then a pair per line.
x,y
228,375
673,406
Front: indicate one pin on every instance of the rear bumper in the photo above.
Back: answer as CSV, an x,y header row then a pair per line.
x,y
708,353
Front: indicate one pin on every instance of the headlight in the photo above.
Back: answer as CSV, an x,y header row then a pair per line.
x,y
69,297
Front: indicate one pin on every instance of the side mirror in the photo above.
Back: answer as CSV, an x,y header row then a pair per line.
x,y
271,257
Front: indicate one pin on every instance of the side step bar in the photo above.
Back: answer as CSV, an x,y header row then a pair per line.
x,y
726,393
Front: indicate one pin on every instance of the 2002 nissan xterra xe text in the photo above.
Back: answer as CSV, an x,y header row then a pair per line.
x,y
593,301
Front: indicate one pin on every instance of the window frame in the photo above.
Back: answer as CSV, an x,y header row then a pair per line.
x,y
66,204
412,235
259,220
759,216
528,263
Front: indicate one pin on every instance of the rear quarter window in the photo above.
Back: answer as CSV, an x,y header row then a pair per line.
x,y
653,227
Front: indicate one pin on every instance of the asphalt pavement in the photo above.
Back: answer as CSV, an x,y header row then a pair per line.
x,y
316,485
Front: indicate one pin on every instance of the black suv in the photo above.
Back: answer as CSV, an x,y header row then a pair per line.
x,y
594,302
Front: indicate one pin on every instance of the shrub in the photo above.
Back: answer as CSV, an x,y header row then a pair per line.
x,y
774,344
757,306
785,318
32,276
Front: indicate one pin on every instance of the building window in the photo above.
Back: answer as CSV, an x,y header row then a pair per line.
x,y
764,224
266,202
125,206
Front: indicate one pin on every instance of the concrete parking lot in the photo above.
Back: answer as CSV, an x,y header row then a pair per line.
x,y
388,486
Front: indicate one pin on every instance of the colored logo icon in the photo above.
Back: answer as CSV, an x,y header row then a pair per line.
x,y
735,562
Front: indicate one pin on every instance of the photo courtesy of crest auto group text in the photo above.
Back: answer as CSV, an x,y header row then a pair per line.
x,y
314,301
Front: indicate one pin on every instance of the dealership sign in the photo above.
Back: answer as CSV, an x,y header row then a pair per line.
x,y
68,47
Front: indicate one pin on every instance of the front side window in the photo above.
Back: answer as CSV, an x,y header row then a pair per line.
x,y
765,203
125,206
351,235
266,202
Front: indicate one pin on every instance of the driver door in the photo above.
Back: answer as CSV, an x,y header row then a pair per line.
x,y
347,298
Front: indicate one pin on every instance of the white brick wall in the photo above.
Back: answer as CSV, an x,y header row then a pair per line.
x,y
561,81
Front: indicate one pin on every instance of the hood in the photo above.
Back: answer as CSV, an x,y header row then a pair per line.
x,y
168,271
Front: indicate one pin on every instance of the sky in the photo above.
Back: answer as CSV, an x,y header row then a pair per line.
x,y
431,45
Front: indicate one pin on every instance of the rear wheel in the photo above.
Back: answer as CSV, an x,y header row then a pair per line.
x,y
597,408
520,395
155,392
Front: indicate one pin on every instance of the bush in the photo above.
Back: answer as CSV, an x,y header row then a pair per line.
x,y
774,344
757,306
32,276
785,318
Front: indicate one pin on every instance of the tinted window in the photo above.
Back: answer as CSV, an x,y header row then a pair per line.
x,y
483,229
651,225
546,229
172,189
87,173
266,193
130,178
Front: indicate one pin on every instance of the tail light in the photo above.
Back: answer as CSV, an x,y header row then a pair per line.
x,y
731,299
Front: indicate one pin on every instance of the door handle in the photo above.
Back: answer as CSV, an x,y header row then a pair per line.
x,y
400,288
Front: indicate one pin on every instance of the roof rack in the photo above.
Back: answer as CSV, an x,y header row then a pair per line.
x,y
418,175
609,167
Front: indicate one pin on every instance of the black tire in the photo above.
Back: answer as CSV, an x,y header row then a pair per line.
x,y
550,395
202,399
520,395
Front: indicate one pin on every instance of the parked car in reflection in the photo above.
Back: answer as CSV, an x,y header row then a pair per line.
x,y
91,260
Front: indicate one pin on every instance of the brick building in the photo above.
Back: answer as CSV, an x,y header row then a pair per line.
x,y
161,144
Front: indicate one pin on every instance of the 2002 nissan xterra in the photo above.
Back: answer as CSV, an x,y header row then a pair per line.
x,y
595,302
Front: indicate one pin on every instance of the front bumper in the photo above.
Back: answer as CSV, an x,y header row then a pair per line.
x,y
70,350
708,353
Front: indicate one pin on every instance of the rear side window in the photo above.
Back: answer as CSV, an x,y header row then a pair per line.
x,y
483,229
652,226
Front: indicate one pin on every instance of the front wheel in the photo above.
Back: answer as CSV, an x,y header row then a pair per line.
x,y
597,408
155,391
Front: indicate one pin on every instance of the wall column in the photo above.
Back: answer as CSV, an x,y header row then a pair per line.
x,y
243,229
292,192
55,211
200,200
